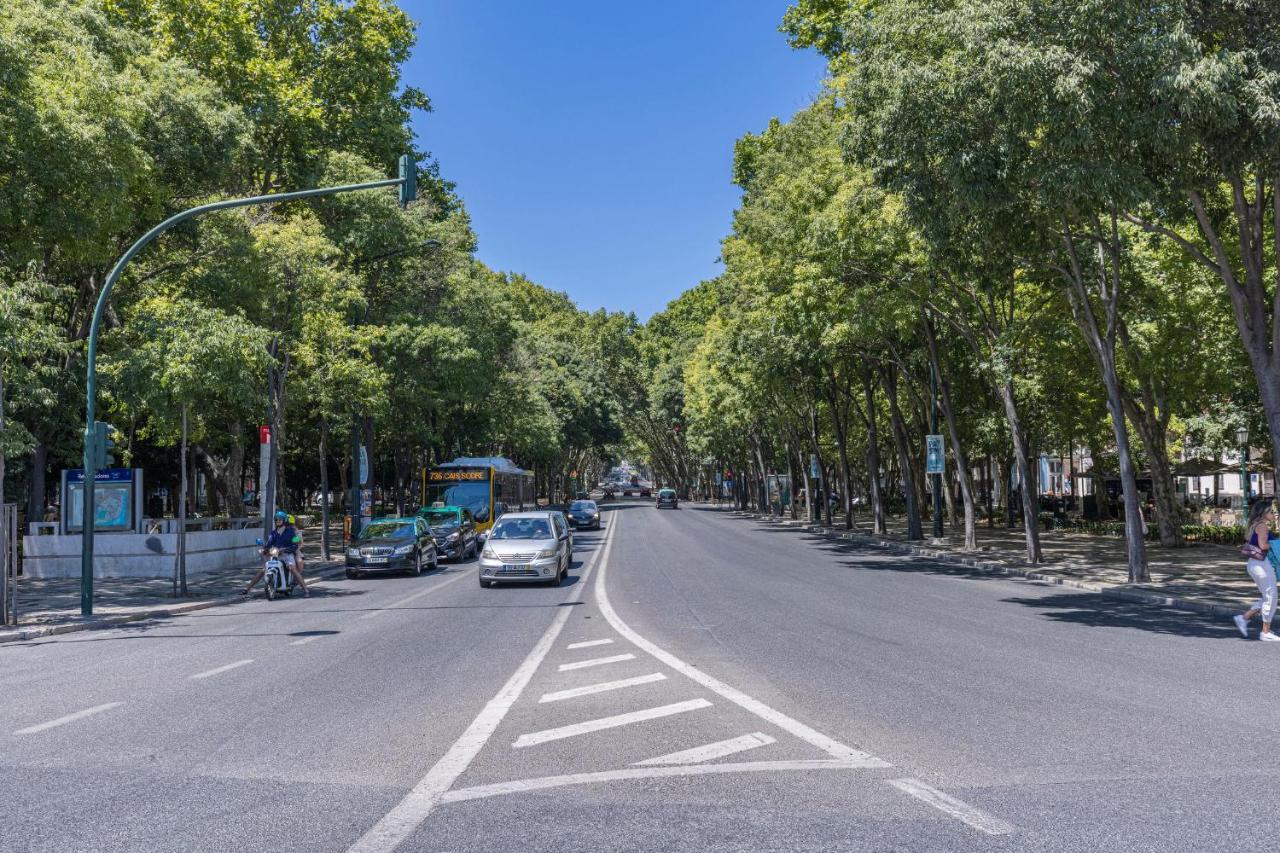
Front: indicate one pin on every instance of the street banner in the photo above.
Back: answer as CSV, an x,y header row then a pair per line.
x,y
264,471
364,466
934,456
813,465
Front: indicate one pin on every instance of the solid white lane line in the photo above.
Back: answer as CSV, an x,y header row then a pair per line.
x,y
583,664
69,718
481,791
372,613
588,644
535,738
711,751
828,745
304,641
958,809
601,688
388,833
221,669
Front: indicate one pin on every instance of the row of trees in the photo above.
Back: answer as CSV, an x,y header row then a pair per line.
x,y
339,321
1061,215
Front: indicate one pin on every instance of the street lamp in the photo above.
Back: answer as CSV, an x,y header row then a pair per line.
x,y
406,182
1242,439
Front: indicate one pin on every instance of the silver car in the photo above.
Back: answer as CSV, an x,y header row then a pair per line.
x,y
527,547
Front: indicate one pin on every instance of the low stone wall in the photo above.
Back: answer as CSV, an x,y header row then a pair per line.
x,y
139,555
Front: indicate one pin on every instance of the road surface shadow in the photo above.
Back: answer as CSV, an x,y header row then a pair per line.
x,y
1098,610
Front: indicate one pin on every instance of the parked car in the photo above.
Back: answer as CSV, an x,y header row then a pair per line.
x,y
454,529
584,515
393,545
667,497
527,547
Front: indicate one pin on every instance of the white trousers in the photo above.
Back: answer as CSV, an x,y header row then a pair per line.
x,y
1265,577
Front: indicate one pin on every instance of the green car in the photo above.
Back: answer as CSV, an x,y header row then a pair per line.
x,y
454,529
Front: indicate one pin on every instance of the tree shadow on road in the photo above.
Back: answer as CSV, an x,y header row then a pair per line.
x,y
1098,610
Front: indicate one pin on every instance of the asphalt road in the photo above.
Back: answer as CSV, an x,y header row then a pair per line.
x,y
702,682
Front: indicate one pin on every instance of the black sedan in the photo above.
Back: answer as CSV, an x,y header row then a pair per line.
x,y
454,529
584,515
393,545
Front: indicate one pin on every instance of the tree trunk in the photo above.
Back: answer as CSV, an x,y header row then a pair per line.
x,y
324,489
876,497
824,505
37,462
839,424
180,562
915,530
1030,503
963,474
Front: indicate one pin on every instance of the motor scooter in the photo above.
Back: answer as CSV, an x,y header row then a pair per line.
x,y
278,579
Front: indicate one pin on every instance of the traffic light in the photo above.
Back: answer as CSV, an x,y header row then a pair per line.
x,y
101,446
408,180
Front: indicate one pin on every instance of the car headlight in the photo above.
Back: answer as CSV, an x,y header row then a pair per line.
x,y
488,553
404,549
546,553
353,552
451,537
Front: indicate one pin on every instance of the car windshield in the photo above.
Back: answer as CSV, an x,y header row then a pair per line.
x,y
441,518
386,529
667,493
580,506
521,528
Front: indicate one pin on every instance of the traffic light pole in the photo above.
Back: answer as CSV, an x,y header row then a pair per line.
x,y
408,192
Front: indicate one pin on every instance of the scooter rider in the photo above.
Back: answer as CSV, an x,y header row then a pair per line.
x,y
286,538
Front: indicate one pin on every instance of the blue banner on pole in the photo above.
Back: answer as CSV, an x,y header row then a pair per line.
x,y
934,462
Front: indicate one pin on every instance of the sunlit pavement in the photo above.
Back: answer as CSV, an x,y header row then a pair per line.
x,y
702,682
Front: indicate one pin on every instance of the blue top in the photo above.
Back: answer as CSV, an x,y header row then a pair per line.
x,y
285,538
1271,537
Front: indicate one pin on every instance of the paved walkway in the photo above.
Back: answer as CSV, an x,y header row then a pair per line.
x,y
53,604
1210,576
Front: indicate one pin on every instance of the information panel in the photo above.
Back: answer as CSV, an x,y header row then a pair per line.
x,y
116,493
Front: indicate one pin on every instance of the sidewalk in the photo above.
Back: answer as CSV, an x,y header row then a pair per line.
x,y
1198,577
52,605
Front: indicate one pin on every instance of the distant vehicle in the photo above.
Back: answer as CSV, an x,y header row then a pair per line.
x,y
393,545
454,529
582,496
646,490
667,497
584,515
527,547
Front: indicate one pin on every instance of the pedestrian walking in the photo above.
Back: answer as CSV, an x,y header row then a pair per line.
x,y
1261,516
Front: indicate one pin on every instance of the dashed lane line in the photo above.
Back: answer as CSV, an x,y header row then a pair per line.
x,y
948,804
588,726
209,673
583,664
603,687
711,751
69,718
588,643
399,823
395,604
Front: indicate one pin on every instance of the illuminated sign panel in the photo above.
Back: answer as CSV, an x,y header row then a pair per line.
x,y
456,476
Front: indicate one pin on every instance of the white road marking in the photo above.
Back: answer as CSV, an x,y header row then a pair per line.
x,y
544,782
69,718
221,669
304,641
372,613
583,664
535,738
711,751
602,687
588,644
792,726
388,833
958,809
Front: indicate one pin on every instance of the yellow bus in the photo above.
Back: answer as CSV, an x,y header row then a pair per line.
x,y
488,486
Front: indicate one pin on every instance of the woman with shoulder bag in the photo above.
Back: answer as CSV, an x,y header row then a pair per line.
x,y
1257,549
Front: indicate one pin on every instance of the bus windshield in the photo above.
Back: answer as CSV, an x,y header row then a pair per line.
x,y
474,496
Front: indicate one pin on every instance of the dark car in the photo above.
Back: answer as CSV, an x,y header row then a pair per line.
x,y
454,529
667,497
584,515
393,545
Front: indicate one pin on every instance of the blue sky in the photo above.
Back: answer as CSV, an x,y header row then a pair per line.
x,y
593,142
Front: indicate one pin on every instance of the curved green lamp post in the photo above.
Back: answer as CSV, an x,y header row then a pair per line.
x,y
408,184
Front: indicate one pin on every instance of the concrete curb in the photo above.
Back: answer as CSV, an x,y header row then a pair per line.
x,y
1108,590
167,611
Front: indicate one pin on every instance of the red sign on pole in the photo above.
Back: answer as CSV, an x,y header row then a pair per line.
x,y
264,435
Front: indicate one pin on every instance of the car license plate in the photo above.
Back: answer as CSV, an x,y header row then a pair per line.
x,y
374,561
516,567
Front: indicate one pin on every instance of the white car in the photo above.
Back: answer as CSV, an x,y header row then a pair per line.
x,y
527,547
